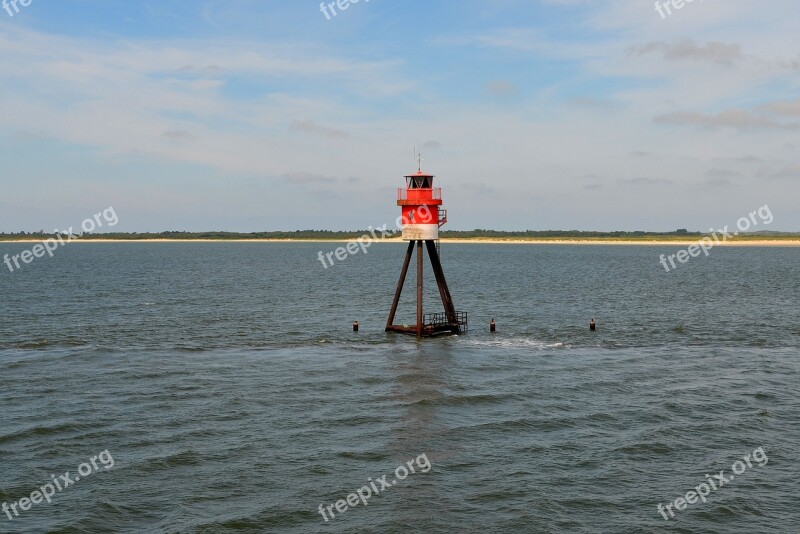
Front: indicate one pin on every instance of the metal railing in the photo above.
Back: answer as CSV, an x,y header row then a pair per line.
x,y
441,320
419,194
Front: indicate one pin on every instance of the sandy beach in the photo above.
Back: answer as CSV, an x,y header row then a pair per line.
x,y
677,243
683,243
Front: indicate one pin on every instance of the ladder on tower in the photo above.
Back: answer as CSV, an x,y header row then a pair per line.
x,y
442,222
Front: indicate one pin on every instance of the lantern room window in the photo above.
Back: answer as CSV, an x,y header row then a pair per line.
x,y
419,182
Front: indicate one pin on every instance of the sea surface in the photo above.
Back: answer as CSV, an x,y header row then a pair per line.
x,y
227,385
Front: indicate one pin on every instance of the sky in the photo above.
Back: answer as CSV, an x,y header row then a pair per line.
x,y
259,115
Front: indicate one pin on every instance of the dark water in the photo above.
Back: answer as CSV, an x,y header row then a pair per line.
x,y
225,381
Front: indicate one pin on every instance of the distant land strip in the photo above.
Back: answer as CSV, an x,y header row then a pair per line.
x,y
556,236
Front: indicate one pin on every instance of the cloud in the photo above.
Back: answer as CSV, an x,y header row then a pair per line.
x,y
722,173
478,188
644,180
531,41
786,172
501,88
210,70
721,53
312,128
305,178
738,119
741,160
177,134
790,108
718,182
27,135
602,104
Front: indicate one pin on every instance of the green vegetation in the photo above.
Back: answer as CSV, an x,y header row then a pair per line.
x,y
478,234
188,236
567,234
577,235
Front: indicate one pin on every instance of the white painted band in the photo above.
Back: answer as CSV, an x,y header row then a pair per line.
x,y
420,232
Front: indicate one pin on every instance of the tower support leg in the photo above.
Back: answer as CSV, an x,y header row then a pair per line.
x,y
444,292
400,284
419,288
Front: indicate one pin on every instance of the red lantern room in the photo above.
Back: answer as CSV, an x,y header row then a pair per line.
x,y
420,203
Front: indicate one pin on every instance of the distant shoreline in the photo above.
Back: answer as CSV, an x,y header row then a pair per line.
x,y
737,242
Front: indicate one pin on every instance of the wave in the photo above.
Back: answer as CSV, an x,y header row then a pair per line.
x,y
41,431
515,342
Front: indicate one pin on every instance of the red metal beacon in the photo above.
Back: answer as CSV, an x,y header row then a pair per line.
x,y
422,216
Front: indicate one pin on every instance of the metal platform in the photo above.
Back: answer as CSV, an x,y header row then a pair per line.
x,y
435,324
